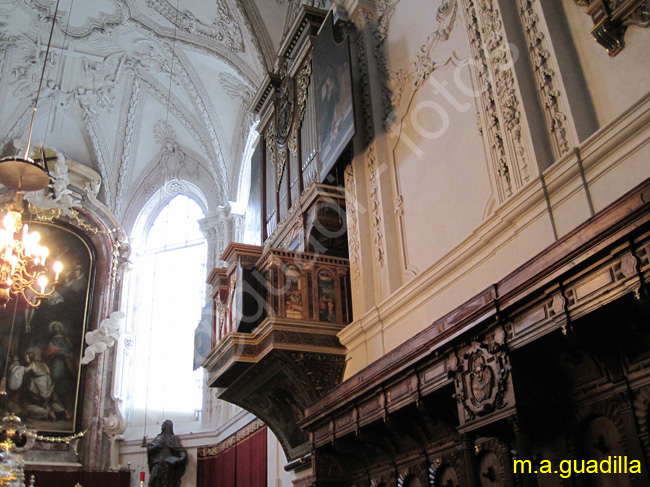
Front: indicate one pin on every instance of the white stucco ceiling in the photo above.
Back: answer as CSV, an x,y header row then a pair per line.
x,y
141,91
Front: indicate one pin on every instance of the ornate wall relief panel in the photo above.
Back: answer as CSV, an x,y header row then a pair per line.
x,y
435,152
500,115
483,381
405,75
223,28
364,20
544,67
235,87
353,224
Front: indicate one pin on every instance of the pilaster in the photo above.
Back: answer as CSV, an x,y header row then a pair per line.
x,y
220,228
373,181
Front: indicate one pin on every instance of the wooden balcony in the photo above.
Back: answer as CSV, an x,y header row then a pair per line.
x,y
277,350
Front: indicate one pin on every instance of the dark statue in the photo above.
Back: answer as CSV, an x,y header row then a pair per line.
x,y
167,458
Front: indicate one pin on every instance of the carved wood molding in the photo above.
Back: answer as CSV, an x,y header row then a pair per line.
x,y
482,379
303,79
447,470
494,462
271,145
595,261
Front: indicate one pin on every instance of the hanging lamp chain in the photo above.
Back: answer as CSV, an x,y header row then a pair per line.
x,y
40,84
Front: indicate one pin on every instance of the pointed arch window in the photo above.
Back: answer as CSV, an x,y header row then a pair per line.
x,y
169,296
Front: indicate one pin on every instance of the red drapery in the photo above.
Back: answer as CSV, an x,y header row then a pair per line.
x,y
243,465
86,479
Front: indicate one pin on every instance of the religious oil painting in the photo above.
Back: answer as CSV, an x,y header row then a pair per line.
x,y
326,296
293,296
203,336
41,347
333,95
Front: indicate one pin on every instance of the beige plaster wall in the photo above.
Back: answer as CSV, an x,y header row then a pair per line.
x,y
455,238
614,83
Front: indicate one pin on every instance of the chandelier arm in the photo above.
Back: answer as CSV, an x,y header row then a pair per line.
x,y
35,304
19,279
38,294
40,84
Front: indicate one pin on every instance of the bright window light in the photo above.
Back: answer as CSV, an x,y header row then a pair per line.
x,y
171,274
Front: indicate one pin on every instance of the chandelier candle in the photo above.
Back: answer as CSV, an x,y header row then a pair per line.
x,y
22,260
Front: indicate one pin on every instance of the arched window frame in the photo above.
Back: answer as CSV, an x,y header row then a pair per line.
x,y
135,422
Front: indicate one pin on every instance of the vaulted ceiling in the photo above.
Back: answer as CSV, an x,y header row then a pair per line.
x,y
142,91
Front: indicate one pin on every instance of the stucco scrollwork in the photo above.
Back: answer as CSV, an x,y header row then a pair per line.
x,y
223,28
352,222
552,98
114,426
235,87
407,80
110,14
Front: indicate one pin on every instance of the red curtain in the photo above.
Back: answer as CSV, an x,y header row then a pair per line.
x,y
243,465
251,461
68,479
217,471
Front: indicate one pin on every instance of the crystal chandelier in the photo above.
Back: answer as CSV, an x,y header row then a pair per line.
x,y
22,260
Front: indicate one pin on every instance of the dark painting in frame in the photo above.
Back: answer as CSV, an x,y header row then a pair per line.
x,y
41,352
333,92
203,336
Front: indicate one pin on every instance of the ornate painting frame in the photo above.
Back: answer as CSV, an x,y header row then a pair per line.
x,y
334,95
41,347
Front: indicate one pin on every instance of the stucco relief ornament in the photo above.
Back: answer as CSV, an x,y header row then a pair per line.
x,y
55,200
223,29
234,87
401,84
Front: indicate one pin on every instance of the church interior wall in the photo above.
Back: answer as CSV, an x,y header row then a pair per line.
x,y
613,83
489,234
462,174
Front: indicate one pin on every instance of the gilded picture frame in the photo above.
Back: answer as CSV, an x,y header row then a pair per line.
x,y
334,95
41,347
